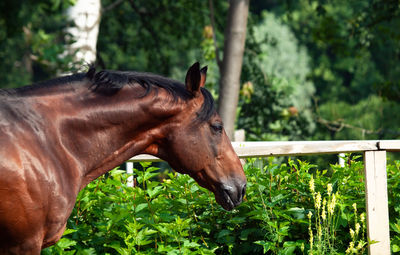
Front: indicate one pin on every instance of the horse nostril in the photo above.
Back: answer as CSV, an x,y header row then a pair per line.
x,y
243,190
236,192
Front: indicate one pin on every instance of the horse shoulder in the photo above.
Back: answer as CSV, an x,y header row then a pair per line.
x,y
36,201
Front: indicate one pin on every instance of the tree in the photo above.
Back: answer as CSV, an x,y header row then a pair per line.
x,y
85,15
231,66
32,40
275,101
354,51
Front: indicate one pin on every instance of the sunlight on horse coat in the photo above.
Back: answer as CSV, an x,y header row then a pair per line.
x,y
59,135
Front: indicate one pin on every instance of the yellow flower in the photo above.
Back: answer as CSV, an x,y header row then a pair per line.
x,y
355,207
323,214
351,248
309,215
332,204
329,189
310,232
318,201
362,217
312,188
358,228
247,90
208,32
351,233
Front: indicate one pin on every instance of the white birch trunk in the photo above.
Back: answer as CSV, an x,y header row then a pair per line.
x,y
86,15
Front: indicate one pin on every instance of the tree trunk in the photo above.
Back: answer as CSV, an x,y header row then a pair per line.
x,y
86,16
27,59
235,35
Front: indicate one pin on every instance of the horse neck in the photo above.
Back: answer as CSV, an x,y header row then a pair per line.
x,y
101,132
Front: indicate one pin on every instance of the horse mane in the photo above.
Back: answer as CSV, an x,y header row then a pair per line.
x,y
43,84
108,83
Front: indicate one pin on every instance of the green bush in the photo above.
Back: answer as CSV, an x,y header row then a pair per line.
x,y
275,102
288,209
371,118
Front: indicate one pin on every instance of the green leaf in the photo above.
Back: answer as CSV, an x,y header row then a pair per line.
x,y
266,245
246,232
298,213
140,207
395,227
65,243
118,248
223,233
89,251
152,193
190,244
69,231
149,175
194,188
395,248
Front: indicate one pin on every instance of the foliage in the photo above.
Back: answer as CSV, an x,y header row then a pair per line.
x,y
278,105
370,118
31,41
156,36
354,50
176,216
336,52
350,44
394,205
347,51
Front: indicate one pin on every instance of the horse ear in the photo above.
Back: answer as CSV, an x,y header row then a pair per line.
x,y
195,78
203,75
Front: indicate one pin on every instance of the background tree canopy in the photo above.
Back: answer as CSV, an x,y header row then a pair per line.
x,y
312,69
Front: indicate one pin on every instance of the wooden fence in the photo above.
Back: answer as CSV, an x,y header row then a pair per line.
x,y
374,152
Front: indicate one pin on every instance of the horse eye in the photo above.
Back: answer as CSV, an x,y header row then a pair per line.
x,y
217,127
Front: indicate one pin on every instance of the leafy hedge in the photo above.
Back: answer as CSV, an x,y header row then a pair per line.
x,y
291,208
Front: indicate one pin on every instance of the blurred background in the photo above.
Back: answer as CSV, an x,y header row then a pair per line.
x,y
311,70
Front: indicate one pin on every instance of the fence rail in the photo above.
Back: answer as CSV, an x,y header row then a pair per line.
x,y
374,152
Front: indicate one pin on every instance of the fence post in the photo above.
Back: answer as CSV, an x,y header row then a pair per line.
x,y
341,159
377,202
129,170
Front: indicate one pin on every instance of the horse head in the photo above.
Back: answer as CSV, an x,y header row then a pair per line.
x,y
197,144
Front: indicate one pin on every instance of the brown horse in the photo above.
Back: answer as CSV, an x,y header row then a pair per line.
x,y
59,135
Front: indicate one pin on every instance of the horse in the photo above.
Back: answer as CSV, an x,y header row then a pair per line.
x,y
59,135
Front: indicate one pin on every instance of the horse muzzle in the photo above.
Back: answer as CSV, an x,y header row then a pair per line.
x,y
230,195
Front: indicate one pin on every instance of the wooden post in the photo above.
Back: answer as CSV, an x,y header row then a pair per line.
x,y
341,159
240,136
377,202
129,170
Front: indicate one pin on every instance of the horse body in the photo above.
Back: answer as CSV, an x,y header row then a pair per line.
x,y
56,139
39,178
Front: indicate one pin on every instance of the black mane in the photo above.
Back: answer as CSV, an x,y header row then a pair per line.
x,y
108,83
59,81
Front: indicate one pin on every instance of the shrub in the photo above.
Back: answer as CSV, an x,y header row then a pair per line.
x,y
175,216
